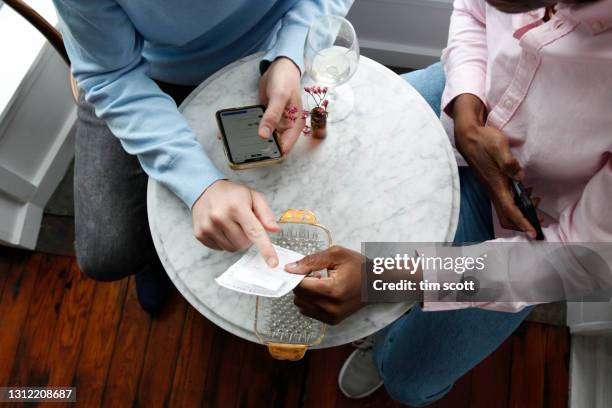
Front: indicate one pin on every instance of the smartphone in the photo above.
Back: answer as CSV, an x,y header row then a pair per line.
x,y
524,203
243,147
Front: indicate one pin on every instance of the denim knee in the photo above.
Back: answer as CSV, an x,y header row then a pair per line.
x,y
429,82
406,383
414,390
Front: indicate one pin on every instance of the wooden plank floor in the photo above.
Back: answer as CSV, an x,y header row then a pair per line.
x,y
59,328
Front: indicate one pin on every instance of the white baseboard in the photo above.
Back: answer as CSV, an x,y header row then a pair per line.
x,y
36,147
402,33
400,55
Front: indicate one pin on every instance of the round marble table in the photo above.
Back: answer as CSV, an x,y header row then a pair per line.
x,y
386,173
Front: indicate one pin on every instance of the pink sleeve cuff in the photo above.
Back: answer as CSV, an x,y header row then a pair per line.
x,y
465,79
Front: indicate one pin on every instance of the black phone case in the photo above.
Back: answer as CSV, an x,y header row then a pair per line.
x,y
524,203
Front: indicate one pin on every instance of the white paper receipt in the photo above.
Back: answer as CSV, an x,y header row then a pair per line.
x,y
252,275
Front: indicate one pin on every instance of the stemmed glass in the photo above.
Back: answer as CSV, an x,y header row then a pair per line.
x,y
331,56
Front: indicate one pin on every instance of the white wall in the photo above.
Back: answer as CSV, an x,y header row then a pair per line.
x,y
36,147
403,33
19,53
37,116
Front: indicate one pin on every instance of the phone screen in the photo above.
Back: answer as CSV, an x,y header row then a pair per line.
x,y
239,128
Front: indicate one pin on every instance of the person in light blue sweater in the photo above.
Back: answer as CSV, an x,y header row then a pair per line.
x,y
134,61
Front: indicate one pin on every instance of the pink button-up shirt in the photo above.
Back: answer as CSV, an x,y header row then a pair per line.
x,y
548,87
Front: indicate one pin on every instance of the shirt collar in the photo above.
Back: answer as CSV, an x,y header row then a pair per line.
x,y
597,17
523,22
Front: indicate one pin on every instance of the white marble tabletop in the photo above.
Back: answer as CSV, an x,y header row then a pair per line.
x,y
386,173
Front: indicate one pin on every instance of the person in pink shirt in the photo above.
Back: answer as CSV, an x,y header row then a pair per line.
x,y
525,94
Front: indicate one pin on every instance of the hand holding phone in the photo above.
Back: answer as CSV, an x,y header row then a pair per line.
x,y
279,88
522,199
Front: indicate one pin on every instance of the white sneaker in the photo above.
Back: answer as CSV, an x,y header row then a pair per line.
x,y
359,377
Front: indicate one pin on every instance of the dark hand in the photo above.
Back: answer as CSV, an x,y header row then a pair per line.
x,y
487,151
336,297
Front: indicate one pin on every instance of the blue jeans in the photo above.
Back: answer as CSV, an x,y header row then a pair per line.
x,y
422,354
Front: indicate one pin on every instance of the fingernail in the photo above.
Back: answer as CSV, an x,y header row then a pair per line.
x,y
264,131
272,262
291,265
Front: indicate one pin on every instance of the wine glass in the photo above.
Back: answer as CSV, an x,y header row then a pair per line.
x,y
331,56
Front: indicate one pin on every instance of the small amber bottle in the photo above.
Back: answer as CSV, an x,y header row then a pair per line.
x,y
318,123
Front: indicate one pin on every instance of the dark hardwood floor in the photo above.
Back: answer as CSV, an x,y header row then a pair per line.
x,y
59,328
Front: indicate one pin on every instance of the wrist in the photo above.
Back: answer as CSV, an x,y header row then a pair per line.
x,y
288,62
211,187
469,117
469,112
466,127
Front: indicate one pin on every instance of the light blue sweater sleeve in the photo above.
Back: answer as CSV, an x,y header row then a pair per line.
x,y
294,27
106,55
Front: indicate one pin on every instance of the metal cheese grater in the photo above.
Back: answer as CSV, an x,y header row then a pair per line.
x,y
278,322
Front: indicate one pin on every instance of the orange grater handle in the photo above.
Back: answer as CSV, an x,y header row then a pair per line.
x,y
298,216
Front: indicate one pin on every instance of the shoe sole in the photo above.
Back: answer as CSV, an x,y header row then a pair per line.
x,y
343,370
